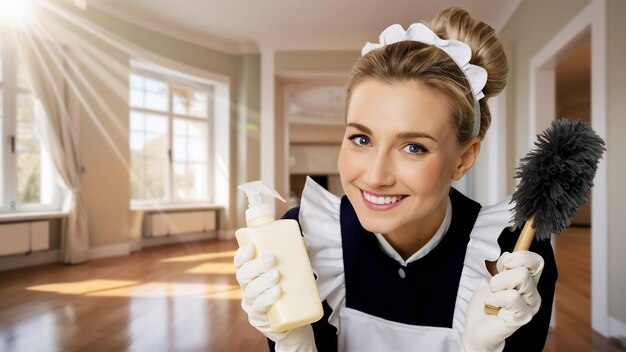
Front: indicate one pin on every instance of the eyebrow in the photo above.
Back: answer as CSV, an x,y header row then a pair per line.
x,y
402,135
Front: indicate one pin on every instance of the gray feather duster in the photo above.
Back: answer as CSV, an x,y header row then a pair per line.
x,y
555,177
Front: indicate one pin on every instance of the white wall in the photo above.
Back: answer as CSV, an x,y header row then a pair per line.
x,y
532,25
616,162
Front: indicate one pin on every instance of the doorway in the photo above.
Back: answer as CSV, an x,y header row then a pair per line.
x,y
588,25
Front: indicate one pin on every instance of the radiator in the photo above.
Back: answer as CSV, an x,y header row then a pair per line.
x,y
178,223
24,237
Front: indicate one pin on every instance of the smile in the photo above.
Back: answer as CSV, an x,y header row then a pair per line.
x,y
381,201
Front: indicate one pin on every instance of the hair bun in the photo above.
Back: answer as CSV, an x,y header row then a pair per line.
x,y
487,51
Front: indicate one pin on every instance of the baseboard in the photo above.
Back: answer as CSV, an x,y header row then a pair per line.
x,y
135,244
109,251
226,234
46,257
171,239
23,260
617,328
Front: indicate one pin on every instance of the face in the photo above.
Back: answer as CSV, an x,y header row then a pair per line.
x,y
399,156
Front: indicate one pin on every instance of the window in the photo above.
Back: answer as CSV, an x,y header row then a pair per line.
x,y
170,120
26,169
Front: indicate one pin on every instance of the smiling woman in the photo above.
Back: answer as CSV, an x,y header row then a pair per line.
x,y
400,259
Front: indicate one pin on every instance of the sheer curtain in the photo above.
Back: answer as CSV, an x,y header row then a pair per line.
x,y
59,132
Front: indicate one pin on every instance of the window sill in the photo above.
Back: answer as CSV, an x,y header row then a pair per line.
x,y
175,207
43,215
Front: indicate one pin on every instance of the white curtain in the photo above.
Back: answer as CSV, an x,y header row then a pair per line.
x,y
59,132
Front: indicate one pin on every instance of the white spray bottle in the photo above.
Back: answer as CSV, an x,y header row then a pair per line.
x,y
299,303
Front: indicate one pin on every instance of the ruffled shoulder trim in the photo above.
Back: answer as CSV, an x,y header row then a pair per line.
x,y
483,245
321,227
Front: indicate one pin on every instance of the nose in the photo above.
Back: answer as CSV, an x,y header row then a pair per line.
x,y
380,171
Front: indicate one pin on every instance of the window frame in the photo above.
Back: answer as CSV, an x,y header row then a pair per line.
x,y
171,79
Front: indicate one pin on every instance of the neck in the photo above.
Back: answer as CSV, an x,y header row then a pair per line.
x,y
413,236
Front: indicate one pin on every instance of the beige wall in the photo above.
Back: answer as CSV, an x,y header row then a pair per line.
x,y
315,61
616,162
532,25
104,144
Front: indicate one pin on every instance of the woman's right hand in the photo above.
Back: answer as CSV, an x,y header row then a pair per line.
x,y
258,279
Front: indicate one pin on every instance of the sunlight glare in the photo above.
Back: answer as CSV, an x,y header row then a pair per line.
x,y
82,287
174,290
199,257
13,12
213,268
134,289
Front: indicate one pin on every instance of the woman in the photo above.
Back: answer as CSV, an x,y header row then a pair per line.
x,y
401,259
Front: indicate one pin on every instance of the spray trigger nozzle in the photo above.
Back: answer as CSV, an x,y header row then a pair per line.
x,y
256,207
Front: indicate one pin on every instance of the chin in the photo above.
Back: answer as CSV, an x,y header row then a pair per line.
x,y
373,223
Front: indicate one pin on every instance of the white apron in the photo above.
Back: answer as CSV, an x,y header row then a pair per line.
x,y
364,332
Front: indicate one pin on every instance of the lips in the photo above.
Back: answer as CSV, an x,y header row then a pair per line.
x,y
381,201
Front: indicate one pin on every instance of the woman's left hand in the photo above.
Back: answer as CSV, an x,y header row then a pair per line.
x,y
514,291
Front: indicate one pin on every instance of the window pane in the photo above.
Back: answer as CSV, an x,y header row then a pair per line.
x,y
1,134
189,102
23,79
154,101
137,121
136,81
182,182
180,149
148,93
190,160
154,179
148,148
32,186
197,129
156,123
137,98
197,150
190,181
1,62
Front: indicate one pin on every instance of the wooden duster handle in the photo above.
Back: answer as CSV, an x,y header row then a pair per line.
x,y
523,243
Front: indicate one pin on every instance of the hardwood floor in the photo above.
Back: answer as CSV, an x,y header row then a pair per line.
x,y
174,298
573,296
185,298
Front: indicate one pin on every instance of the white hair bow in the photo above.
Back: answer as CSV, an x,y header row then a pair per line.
x,y
460,52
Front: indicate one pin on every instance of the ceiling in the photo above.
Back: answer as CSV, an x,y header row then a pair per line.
x,y
238,26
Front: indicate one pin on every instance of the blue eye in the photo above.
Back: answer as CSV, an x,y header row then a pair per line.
x,y
415,149
360,140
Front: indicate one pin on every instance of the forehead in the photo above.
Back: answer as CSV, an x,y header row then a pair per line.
x,y
399,107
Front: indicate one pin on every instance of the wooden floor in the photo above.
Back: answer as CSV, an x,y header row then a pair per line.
x,y
185,298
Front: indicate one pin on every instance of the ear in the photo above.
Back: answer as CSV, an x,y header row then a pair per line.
x,y
467,158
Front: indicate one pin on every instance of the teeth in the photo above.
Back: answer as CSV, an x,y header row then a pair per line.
x,y
381,200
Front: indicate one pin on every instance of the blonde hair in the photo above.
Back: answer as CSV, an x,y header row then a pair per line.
x,y
411,60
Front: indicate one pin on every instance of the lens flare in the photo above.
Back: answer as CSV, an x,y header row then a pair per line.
x,y
13,12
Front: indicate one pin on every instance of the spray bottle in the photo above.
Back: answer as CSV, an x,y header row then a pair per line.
x,y
299,303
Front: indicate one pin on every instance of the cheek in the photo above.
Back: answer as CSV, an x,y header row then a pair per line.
x,y
345,163
427,177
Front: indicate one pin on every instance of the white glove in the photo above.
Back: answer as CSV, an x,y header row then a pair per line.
x,y
514,290
259,283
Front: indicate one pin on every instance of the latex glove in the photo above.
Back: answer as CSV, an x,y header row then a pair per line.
x,y
259,283
514,290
